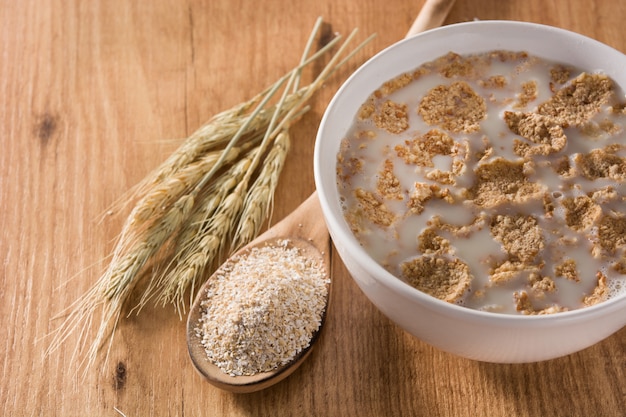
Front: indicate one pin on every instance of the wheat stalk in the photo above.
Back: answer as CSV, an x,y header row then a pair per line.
x,y
193,251
190,207
176,185
118,281
259,199
210,241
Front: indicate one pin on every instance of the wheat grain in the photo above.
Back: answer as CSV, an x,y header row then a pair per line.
x,y
190,236
212,240
259,200
183,181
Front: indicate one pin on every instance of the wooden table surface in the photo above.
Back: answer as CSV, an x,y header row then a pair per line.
x,y
94,94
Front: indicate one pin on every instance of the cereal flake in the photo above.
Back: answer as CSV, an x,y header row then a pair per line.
x,y
437,276
579,100
520,236
502,181
393,117
454,107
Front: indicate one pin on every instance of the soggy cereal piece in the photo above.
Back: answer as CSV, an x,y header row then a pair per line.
x,y
423,192
604,195
600,292
591,130
484,154
618,108
460,231
524,306
601,163
365,135
541,284
458,167
436,142
388,185
528,94
349,168
438,276
541,130
494,82
525,150
455,65
520,236
454,107
568,240
579,100
421,150
354,218
548,206
581,212
492,308
522,302
430,243
373,208
564,168
367,109
567,269
552,310
595,130
502,181
608,126
393,117
612,233
559,74
504,56
443,193
620,265
510,270
443,177
395,84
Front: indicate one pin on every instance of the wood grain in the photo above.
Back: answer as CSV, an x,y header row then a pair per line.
x,y
95,94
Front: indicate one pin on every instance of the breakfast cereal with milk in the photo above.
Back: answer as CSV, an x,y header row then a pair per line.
x,y
495,181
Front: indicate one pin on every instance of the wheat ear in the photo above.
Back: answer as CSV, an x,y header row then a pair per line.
x,y
192,251
259,200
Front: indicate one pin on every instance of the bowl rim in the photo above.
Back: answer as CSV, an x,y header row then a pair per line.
x,y
338,227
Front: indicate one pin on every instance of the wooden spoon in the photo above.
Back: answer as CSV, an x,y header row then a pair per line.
x,y
305,229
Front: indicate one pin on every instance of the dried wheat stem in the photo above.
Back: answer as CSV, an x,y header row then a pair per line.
x,y
307,51
119,279
116,284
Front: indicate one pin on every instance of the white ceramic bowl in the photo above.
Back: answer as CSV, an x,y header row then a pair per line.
x,y
462,331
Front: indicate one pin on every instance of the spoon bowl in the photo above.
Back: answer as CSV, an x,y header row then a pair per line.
x,y
303,229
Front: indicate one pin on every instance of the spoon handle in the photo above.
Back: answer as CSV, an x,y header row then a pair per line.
x,y
431,15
